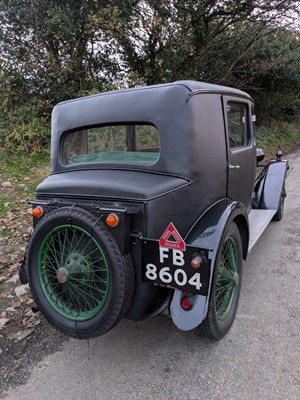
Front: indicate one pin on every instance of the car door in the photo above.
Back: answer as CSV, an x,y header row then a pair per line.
x,y
241,154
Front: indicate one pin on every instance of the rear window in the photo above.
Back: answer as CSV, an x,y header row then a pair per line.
x,y
114,143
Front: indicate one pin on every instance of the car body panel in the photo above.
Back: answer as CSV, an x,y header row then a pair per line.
x,y
200,182
273,185
125,185
207,233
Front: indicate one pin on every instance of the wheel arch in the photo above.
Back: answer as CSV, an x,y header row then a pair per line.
x,y
208,229
273,182
207,233
243,227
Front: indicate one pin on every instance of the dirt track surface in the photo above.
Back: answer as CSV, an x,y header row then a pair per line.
x,y
259,358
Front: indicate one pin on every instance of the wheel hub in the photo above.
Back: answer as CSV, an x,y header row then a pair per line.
x,y
229,277
62,275
78,265
236,278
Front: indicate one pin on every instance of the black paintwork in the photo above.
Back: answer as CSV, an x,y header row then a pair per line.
x,y
175,109
273,184
191,184
193,158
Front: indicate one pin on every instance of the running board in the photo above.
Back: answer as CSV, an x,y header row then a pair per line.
x,y
258,221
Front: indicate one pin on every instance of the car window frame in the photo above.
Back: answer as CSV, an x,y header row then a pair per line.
x,y
248,122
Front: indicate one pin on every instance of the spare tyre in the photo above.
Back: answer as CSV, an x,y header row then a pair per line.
x,y
77,274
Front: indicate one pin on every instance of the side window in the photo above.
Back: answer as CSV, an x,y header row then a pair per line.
x,y
237,123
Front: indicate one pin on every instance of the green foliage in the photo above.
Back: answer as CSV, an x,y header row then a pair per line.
x,y
26,127
28,137
277,135
48,45
194,39
24,173
17,167
53,51
274,76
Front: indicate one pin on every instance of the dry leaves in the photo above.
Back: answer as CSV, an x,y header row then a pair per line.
x,y
4,321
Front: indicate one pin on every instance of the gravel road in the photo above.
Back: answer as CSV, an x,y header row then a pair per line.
x,y
259,359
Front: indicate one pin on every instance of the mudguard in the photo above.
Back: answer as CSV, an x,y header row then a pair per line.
x,y
207,233
273,184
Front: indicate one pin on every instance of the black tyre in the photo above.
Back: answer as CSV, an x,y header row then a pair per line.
x,y
279,213
78,277
226,286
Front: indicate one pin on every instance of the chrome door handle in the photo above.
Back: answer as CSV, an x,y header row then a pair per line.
x,y
234,166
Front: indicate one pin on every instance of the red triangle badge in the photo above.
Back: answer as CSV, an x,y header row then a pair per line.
x,y
178,243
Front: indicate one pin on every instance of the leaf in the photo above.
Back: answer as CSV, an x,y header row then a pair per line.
x,y
4,321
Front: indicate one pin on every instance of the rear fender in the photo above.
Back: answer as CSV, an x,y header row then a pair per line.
x,y
207,233
273,183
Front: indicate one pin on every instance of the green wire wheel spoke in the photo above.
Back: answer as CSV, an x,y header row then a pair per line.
x,y
79,277
227,278
79,293
73,272
226,284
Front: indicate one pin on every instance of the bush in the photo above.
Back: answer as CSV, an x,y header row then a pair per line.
x,y
277,135
26,129
28,138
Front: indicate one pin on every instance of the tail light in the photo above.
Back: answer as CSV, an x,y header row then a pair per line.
x,y
37,212
112,220
187,303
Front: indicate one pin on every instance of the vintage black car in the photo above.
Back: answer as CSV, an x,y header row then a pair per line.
x,y
155,198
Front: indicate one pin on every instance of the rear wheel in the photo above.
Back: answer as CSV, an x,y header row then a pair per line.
x,y
226,286
77,274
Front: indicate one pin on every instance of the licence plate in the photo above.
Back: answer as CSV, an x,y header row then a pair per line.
x,y
172,268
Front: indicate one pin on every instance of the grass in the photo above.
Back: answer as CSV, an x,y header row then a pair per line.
x,y
22,174
277,136
18,165
19,176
